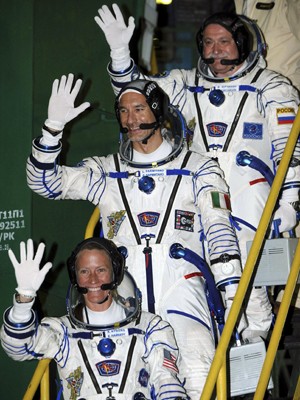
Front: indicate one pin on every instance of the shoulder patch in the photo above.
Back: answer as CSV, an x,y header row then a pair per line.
x,y
285,115
220,200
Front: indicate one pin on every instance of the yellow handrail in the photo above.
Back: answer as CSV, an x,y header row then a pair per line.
x,y
251,261
41,368
92,223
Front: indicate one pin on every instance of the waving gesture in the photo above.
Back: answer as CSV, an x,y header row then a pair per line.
x,y
61,107
117,34
29,276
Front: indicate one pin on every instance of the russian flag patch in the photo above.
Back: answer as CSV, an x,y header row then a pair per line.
x,y
285,115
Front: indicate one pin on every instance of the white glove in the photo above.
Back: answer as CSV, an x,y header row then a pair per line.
x,y
61,108
29,277
230,291
117,34
286,216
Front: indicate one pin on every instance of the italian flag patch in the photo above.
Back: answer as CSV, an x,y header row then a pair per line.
x,y
220,200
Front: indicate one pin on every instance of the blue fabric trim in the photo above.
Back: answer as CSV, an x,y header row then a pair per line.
x,y
19,335
226,282
122,72
39,165
243,222
18,325
247,88
117,175
45,148
179,172
189,316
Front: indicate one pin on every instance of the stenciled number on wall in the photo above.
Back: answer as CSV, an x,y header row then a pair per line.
x,y
10,221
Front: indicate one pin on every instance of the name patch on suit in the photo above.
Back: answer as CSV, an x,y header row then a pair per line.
x,y
148,218
252,131
108,368
216,129
184,220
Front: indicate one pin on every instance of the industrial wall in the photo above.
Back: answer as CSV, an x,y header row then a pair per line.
x,y
40,41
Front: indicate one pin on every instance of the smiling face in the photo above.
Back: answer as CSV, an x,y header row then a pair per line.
x,y
134,111
219,44
94,268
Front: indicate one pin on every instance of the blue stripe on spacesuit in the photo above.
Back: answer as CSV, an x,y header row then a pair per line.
x,y
18,334
229,281
52,194
219,234
243,222
184,314
171,392
99,184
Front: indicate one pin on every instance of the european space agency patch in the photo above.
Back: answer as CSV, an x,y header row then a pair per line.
x,y
252,131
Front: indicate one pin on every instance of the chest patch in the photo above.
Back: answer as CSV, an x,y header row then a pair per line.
x,y
252,131
184,220
148,218
114,222
108,368
143,377
216,129
75,380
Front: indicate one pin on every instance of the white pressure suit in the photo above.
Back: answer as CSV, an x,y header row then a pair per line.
x,y
256,116
142,366
189,202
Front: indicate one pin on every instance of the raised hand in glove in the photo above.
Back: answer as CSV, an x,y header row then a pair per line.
x,y
230,291
61,107
29,276
117,34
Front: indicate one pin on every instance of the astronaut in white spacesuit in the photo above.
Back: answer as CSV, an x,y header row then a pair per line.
x,y
231,103
105,347
152,194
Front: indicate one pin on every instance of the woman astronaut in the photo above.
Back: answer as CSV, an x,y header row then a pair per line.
x,y
105,347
